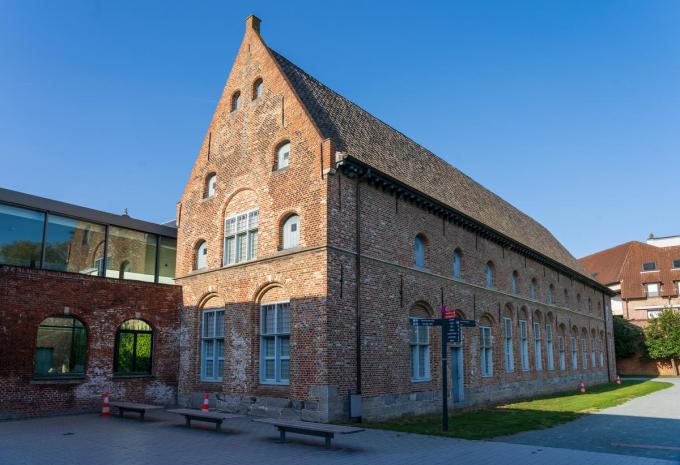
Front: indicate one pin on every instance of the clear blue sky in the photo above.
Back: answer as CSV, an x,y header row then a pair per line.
x,y
569,110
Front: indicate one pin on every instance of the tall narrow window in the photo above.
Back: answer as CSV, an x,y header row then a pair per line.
x,y
489,272
584,353
574,353
240,237
60,348
515,279
457,259
533,289
210,185
523,345
507,345
538,351
236,101
201,255
550,362
560,346
419,251
283,155
290,232
486,351
593,357
275,343
212,345
134,348
551,294
420,353
257,89
601,352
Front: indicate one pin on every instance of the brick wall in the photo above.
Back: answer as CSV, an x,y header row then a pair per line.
x,y
27,297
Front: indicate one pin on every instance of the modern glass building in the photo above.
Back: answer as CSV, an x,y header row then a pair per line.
x,y
36,232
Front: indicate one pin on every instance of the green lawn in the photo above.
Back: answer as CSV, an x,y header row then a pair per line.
x,y
540,413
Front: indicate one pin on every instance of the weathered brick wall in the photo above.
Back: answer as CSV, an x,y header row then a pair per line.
x,y
27,297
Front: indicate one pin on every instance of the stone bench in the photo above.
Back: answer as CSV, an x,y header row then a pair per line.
x,y
324,430
134,407
201,415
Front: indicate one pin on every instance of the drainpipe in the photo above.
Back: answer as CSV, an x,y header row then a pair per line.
x,y
358,288
606,339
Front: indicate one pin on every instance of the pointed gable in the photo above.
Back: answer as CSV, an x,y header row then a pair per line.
x,y
364,137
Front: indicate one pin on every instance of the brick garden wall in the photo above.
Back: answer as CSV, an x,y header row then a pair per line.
x,y
27,297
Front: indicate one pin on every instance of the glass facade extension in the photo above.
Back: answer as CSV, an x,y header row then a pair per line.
x,y
38,239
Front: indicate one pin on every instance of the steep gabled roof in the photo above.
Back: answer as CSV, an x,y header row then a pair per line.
x,y
373,142
607,266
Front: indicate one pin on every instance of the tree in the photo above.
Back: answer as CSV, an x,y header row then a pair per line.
x,y
627,338
662,337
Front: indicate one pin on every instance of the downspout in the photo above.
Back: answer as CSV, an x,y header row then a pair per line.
x,y
606,339
358,284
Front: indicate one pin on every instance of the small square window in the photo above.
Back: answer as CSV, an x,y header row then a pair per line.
x,y
652,289
649,266
676,263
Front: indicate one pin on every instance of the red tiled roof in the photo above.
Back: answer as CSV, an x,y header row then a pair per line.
x,y
623,264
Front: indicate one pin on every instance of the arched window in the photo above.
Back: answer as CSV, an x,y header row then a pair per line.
x,y
60,347
561,348
508,344
290,232
419,340
210,186
578,301
515,282
258,87
549,355
134,348
283,155
566,297
551,294
457,263
485,348
538,346
590,305
489,272
533,289
523,342
275,343
236,101
419,251
201,255
124,268
212,345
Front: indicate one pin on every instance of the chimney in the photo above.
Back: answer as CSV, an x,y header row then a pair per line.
x,y
253,22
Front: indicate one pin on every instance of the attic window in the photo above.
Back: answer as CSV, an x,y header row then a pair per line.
x,y
676,263
257,89
649,266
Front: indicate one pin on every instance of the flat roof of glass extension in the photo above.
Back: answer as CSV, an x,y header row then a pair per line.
x,y
43,204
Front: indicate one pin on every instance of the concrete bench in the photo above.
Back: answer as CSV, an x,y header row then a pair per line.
x,y
134,407
200,415
309,428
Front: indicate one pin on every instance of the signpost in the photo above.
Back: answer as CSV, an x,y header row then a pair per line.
x,y
451,333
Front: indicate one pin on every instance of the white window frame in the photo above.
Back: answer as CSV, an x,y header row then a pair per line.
x,y
561,349
419,341
593,356
290,232
574,353
538,349
656,293
486,351
283,156
601,352
210,342
549,349
242,229
202,256
584,353
278,335
508,346
523,346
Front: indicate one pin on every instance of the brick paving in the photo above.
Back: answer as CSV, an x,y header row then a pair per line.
x,y
92,440
648,426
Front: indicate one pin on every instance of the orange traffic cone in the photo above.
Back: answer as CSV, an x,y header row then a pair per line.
x,y
106,409
618,379
205,403
582,387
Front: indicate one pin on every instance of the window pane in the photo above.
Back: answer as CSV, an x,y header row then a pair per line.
x,y
139,325
230,227
60,347
241,248
285,347
126,344
285,370
143,361
268,312
208,324
219,324
269,369
252,245
230,250
242,223
168,255
421,362
73,245
269,347
21,234
253,219
414,362
133,255
283,319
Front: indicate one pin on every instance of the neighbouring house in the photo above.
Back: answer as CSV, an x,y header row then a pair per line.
x,y
646,279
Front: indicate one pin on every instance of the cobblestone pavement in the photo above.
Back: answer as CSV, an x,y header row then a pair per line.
x,y
162,439
648,426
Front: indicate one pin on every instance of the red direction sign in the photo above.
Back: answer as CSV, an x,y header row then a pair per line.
x,y
448,313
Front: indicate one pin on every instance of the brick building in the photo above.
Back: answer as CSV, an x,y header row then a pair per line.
x,y
310,233
73,325
645,277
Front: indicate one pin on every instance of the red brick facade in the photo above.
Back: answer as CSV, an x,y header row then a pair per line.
x,y
28,296
350,227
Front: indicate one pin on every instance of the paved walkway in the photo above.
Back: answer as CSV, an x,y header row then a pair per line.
x,y
163,440
648,426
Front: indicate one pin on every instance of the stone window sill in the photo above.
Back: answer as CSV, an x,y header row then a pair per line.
x,y
71,380
132,376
